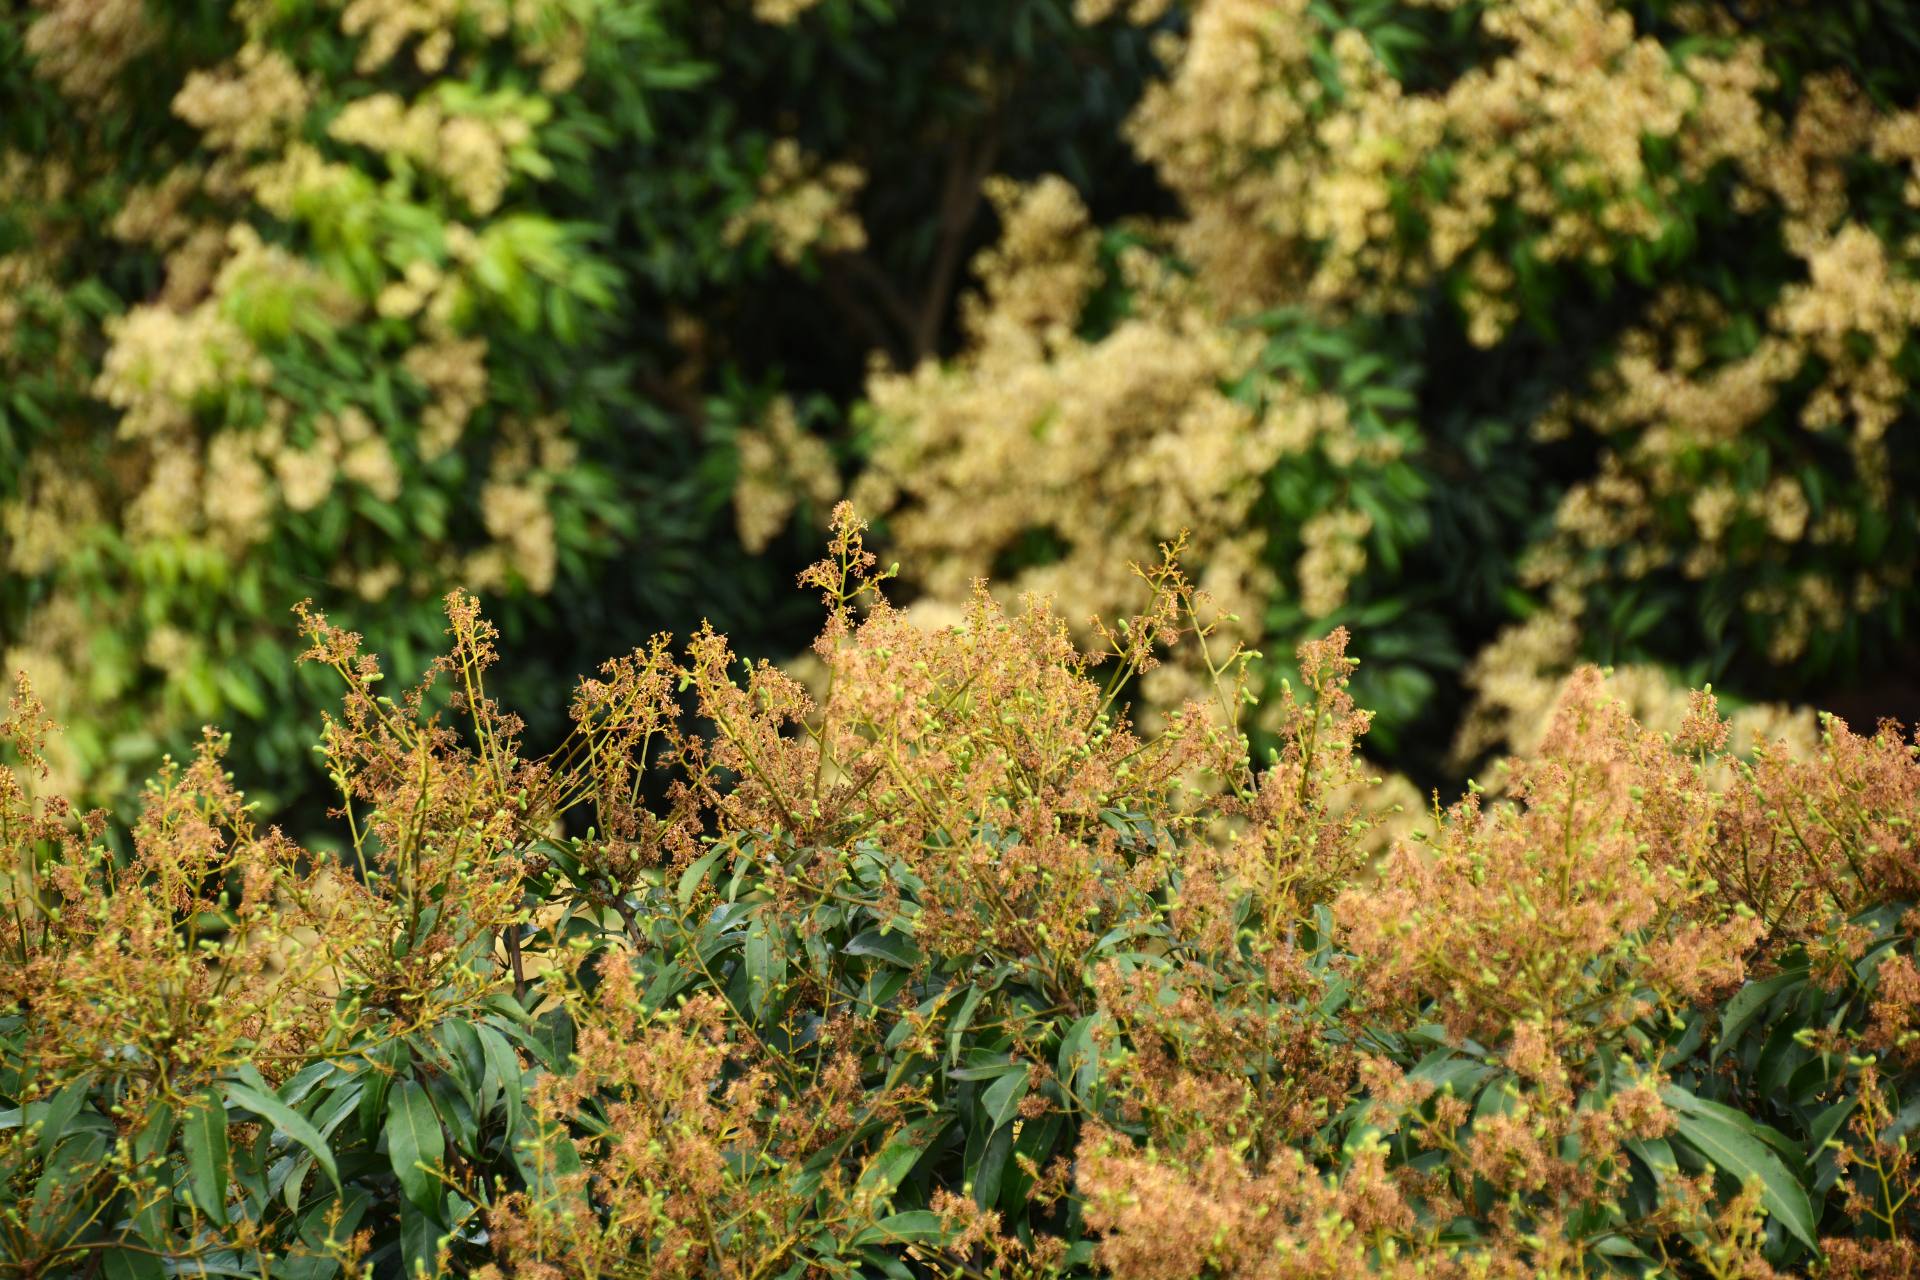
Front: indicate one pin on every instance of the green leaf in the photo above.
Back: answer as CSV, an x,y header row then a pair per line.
x,y
502,1072
1736,1151
152,1140
985,1162
1826,1124
766,964
381,1066
961,1019
123,1263
691,878
904,1152
1001,1102
61,1202
287,1121
895,946
421,1232
1683,1101
886,1264
544,1159
59,1113
151,1219
915,1226
1079,1059
203,1134
415,1145
1904,1122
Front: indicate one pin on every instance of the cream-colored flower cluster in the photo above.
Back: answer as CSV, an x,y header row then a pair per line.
x,y
162,363
1307,177
454,372
1854,315
228,296
249,106
1336,554
779,464
803,205
36,526
1099,448
1679,420
515,508
1522,677
471,151
84,45
170,361
782,13
552,34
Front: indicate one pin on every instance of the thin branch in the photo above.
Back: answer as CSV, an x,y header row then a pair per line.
x,y
967,169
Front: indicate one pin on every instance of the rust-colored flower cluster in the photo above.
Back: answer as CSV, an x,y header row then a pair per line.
x,y
945,967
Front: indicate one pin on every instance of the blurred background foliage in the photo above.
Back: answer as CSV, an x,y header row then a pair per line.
x,y
1505,333
365,299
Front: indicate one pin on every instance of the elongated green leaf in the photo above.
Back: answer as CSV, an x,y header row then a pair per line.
x,y
61,1199
329,1112
415,1145
151,1142
421,1232
694,875
131,1263
1824,1127
462,1047
1656,1154
961,1019
1686,1103
766,965
203,1135
903,1152
984,1064
544,1159
895,946
915,1226
1001,1102
295,1091
885,1263
287,1121
1747,1004
1079,1060
54,1117
986,1162
1745,1157
502,1073
379,1070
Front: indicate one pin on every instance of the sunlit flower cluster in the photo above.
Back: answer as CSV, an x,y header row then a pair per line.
x,y
470,150
1087,452
804,205
552,34
780,463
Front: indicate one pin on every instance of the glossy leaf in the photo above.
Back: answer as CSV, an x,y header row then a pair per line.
x,y
415,1144
287,1121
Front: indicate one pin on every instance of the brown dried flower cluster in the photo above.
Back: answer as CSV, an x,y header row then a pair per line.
x,y
950,965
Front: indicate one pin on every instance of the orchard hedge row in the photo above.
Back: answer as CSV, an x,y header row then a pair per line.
x,y
949,970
